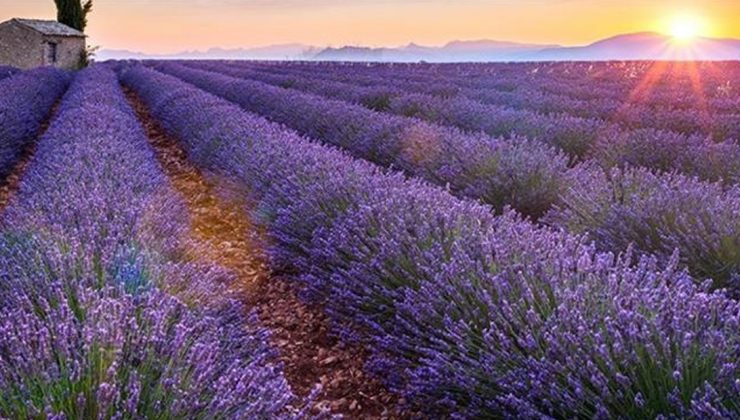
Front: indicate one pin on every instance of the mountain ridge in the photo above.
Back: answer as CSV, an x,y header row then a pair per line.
x,y
633,46
647,46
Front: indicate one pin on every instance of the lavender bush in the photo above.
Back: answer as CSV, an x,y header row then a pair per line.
x,y
692,155
468,314
103,314
25,101
85,352
659,214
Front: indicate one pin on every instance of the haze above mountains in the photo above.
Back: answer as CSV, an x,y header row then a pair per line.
x,y
637,46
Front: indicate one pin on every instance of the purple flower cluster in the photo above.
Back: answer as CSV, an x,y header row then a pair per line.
x,y
25,101
516,172
720,126
468,314
664,151
103,316
658,214
672,84
85,352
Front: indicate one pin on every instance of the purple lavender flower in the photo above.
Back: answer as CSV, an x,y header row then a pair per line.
x,y
658,214
101,316
26,100
467,313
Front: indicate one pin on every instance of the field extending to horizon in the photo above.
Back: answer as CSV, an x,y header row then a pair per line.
x,y
258,240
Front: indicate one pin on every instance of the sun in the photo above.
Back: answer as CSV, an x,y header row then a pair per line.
x,y
686,27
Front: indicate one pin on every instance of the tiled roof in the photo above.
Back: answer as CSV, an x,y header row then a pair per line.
x,y
49,27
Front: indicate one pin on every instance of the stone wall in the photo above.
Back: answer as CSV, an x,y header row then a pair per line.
x,y
20,47
69,51
25,48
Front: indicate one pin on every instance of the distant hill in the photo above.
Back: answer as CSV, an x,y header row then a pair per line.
x,y
646,46
272,52
482,50
637,46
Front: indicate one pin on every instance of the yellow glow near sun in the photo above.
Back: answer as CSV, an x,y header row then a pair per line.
x,y
686,27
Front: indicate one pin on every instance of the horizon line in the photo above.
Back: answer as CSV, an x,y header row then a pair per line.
x,y
377,46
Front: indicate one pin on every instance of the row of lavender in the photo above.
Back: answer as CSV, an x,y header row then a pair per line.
x,y
615,80
580,138
103,314
587,96
466,313
575,136
25,101
518,172
673,84
657,213
611,80
656,85
629,112
522,92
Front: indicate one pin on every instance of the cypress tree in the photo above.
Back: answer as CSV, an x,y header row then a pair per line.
x,y
86,9
73,13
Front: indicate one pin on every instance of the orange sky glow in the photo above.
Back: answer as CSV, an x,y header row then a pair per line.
x,y
166,26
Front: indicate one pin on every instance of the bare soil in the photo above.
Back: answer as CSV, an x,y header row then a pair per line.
x,y
310,354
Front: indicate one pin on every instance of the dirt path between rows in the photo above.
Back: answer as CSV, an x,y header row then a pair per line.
x,y
9,186
309,353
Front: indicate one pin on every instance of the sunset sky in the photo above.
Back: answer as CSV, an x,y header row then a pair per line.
x,y
163,26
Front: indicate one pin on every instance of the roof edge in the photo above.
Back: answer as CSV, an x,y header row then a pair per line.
x,y
22,22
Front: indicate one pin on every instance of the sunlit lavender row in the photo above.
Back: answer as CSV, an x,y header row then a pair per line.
x,y
602,139
657,94
699,218
467,313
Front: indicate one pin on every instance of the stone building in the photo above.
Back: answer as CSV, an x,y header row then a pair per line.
x,y
28,43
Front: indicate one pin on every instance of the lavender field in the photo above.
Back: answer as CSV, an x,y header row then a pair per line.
x,y
258,240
